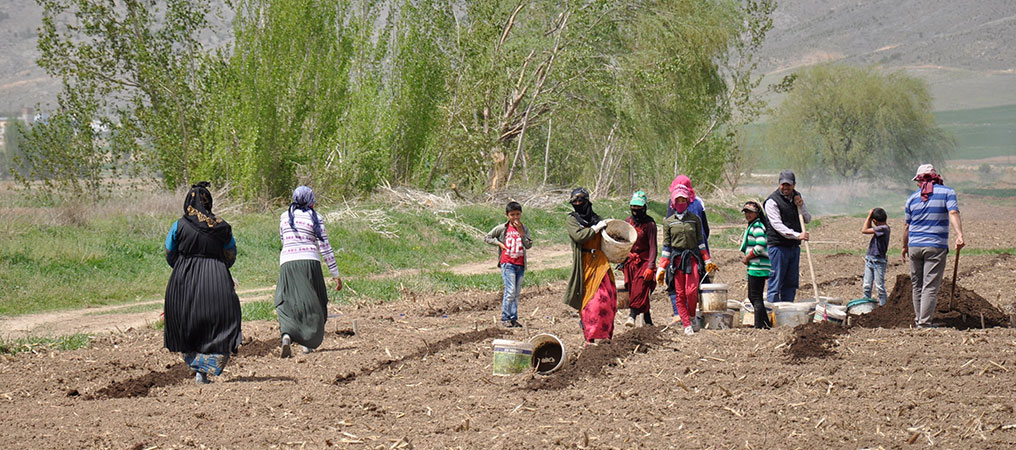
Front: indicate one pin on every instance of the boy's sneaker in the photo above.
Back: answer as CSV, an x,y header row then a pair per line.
x,y
630,322
307,350
287,346
689,331
515,324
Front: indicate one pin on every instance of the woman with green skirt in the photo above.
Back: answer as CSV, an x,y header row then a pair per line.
x,y
301,298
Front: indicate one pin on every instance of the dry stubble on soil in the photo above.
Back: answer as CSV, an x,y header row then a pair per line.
x,y
419,373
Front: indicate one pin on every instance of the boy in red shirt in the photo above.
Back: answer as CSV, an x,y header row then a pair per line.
x,y
512,239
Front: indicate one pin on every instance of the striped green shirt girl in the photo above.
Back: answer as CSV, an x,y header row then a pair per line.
x,y
754,244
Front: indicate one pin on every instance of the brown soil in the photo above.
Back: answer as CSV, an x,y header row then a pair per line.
x,y
594,359
966,311
814,340
413,378
140,386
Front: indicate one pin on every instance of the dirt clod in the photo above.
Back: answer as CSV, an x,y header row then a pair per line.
x,y
814,340
140,386
257,349
967,309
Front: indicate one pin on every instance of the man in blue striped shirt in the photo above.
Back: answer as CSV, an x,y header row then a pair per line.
x,y
929,212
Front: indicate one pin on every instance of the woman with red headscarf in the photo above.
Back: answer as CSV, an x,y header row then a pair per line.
x,y
684,258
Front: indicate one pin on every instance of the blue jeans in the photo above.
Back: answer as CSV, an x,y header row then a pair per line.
x,y
874,269
784,277
512,276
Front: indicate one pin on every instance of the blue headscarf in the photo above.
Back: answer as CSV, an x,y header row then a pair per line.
x,y
303,199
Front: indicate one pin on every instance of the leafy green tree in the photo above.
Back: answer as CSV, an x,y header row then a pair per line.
x,y
277,98
131,67
857,122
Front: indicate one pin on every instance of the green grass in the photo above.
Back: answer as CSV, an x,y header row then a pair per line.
x,y
42,344
999,193
260,310
981,133
98,260
449,282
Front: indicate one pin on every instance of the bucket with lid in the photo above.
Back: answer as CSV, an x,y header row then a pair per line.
x,y
713,297
548,353
512,357
618,237
787,314
717,320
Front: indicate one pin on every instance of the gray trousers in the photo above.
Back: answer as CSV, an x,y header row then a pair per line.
x,y
927,265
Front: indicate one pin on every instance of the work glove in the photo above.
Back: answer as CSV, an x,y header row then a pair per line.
x,y
662,270
648,274
710,267
599,226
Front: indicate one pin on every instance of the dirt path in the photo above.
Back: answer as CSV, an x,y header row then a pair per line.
x,y
121,318
837,264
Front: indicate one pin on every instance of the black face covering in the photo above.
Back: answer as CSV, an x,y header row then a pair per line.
x,y
640,215
584,213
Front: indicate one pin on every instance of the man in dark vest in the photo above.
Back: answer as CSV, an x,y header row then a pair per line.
x,y
784,210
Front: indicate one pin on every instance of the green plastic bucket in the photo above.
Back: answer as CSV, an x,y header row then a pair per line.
x,y
512,357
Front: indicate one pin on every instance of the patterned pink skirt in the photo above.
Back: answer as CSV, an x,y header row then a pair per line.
x,y
598,315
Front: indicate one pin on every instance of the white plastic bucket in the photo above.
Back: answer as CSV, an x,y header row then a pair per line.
x,y
512,357
623,299
791,314
861,306
825,312
718,320
713,297
548,353
617,250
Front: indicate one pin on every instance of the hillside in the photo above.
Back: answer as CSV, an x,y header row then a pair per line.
x,y
963,49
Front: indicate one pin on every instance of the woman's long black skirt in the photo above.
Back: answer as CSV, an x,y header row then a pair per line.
x,y
202,309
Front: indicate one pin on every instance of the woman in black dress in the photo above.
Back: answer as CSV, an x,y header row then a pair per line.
x,y
202,309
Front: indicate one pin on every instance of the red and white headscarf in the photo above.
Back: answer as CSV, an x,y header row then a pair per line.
x,y
928,178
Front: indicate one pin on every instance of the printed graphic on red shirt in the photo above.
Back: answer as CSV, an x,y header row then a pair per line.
x,y
515,252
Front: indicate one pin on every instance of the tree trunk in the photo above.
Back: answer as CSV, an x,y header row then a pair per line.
x,y
546,151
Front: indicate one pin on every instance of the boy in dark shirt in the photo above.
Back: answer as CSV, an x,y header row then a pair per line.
x,y
875,259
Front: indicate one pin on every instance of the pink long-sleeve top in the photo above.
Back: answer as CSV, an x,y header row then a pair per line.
x,y
302,244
